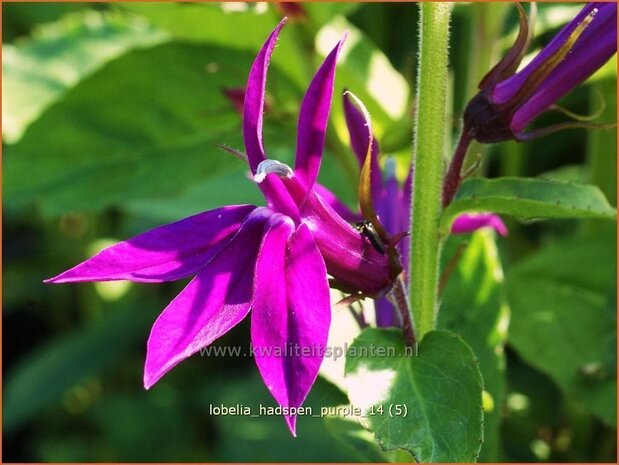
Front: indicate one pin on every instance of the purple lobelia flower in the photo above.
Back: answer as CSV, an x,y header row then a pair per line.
x,y
392,201
509,101
272,260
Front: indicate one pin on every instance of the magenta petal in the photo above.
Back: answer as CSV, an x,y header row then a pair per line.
x,y
313,119
338,206
467,223
216,300
291,314
350,257
359,139
253,108
170,252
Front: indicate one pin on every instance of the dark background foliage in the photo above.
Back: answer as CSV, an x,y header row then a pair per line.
x,y
111,114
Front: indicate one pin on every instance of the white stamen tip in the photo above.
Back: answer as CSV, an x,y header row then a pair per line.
x,y
272,166
589,18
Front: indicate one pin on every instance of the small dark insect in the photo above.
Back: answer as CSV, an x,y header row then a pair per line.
x,y
365,228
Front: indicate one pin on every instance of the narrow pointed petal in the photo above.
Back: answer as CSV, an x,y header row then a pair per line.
x,y
313,119
467,223
167,253
253,109
216,300
370,189
359,136
291,314
510,62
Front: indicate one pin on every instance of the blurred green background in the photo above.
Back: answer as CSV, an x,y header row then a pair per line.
x,y
111,114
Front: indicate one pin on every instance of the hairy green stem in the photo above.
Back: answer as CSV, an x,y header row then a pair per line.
x,y
429,136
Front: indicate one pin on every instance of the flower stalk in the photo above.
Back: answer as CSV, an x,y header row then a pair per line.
x,y
398,298
429,135
453,178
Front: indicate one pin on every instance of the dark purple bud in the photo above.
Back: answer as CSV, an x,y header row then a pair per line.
x,y
504,108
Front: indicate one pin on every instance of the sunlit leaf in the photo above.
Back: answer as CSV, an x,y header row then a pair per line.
x,y
429,404
367,72
528,198
352,436
265,437
322,12
144,126
472,306
564,320
238,27
38,71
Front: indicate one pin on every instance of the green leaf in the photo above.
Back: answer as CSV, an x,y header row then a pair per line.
x,y
528,198
601,145
362,67
45,374
569,173
38,71
366,71
19,19
320,13
430,404
227,188
233,187
266,438
243,29
128,421
472,306
564,319
353,437
144,126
